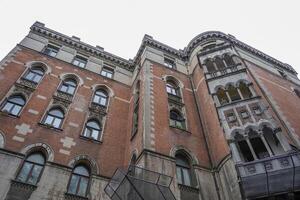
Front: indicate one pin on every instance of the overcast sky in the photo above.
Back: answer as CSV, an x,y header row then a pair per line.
x,y
272,26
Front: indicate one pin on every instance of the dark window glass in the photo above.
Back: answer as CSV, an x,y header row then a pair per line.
x,y
107,72
80,61
13,105
222,96
54,118
297,92
220,64
245,151
176,119
210,66
68,86
100,97
183,171
259,148
34,74
31,169
79,181
246,93
169,63
92,130
233,93
51,50
228,60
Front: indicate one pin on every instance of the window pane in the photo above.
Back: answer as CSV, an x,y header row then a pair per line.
x,y
96,99
87,132
17,100
71,90
83,186
56,122
29,76
81,170
186,176
178,173
109,75
103,101
36,158
49,120
37,78
95,134
73,184
24,172
7,107
93,124
56,113
16,110
35,174
63,88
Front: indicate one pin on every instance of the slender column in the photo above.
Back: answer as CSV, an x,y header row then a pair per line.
x,y
251,149
235,152
266,144
238,89
228,96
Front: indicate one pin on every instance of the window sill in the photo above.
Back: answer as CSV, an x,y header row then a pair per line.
x,y
180,129
7,114
90,139
238,101
74,197
50,127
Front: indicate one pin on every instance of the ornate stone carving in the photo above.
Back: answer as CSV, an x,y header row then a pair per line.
x,y
26,83
63,96
19,88
97,109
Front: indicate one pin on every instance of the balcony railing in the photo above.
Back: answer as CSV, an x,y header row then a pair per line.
x,y
175,98
222,72
270,176
135,183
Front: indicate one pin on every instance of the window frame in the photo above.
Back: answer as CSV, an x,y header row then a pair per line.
x,y
188,169
54,118
51,47
107,70
170,63
31,70
178,123
100,130
81,60
105,96
13,104
79,181
68,86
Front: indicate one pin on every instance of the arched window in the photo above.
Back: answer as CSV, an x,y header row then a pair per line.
x,y
92,130
233,93
34,74
31,169
54,117
244,89
172,88
68,86
183,170
220,64
100,97
14,104
176,119
210,66
272,141
222,96
79,181
228,60
258,145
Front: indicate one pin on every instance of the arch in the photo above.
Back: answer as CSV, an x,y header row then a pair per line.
x,y
219,63
236,131
265,123
181,149
47,68
43,147
228,60
177,81
250,128
237,59
222,96
74,76
2,140
105,87
209,65
86,160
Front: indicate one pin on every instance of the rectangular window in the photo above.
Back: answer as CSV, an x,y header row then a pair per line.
x,y
244,114
51,50
80,61
231,117
107,72
170,63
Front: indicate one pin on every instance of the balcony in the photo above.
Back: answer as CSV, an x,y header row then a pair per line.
x,y
229,70
139,184
175,98
270,176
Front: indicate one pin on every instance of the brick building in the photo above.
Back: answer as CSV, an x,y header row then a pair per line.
x,y
218,120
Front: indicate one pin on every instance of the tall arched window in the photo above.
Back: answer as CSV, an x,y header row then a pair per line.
x,y
101,97
183,170
79,181
245,91
233,93
228,60
31,169
272,140
54,117
172,88
210,66
176,119
34,74
68,86
92,130
14,104
222,96
220,64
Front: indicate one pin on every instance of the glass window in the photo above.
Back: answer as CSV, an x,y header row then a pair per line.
x,y
233,93
51,50
245,151
80,61
14,105
210,66
246,93
220,64
79,181
34,74
183,170
107,72
92,130
176,119
222,96
100,97
54,118
259,148
172,88
68,86
31,169
228,60
170,63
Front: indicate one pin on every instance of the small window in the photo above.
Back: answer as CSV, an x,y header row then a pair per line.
x,y
172,88
297,92
13,105
244,114
228,60
170,63
176,119
34,74
79,181
101,97
80,61
107,72
231,117
92,130
68,86
31,169
219,63
245,91
183,171
54,118
233,93
222,96
51,50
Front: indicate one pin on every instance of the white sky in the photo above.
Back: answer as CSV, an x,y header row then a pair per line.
x,y
272,26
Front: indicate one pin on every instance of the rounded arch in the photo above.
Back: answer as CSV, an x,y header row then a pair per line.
x,y
235,132
209,63
237,84
227,85
85,160
41,147
250,128
219,62
177,81
47,69
58,106
2,139
19,93
219,87
265,123
179,149
109,91
74,76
